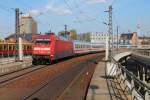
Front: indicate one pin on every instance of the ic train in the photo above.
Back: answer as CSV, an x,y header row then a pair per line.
x,y
47,48
8,49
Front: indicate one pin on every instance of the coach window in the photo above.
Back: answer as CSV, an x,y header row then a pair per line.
x,y
13,47
27,47
24,47
5,47
9,47
76,46
83,46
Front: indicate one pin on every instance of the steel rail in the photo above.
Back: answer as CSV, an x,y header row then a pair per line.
x,y
21,69
31,69
60,75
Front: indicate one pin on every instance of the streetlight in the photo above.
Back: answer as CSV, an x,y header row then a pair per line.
x,y
107,37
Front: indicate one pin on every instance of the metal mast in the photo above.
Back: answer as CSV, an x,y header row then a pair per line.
x,y
17,31
110,29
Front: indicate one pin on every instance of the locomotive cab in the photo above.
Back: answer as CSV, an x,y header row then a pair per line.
x,y
41,50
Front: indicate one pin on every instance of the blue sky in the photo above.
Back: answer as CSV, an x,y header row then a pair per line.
x,y
82,15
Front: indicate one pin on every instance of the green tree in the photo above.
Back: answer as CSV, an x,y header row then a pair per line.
x,y
88,37
85,37
64,34
61,33
1,40
73,34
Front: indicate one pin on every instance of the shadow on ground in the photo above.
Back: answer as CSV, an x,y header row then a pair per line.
x,y
93,88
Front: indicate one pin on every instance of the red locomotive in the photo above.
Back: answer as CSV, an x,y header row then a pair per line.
x,y
47,48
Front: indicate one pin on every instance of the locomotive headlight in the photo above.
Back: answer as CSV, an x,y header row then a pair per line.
x,y
37,48
46,48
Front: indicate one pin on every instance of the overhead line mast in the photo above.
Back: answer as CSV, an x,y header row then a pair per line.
x,y
17,30
110,30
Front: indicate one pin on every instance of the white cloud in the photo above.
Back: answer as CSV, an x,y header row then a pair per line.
x,y
35,12
59,10
95,1
49,7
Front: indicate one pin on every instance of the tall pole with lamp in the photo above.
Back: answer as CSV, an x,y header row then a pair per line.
x,y
19,51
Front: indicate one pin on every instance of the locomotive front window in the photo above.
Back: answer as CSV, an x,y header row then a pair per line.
x,y
42,42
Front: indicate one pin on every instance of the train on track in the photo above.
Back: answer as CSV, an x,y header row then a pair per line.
x,y
9,49
48,48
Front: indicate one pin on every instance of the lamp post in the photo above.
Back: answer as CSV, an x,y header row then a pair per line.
x,y
107,46
117,39
19,51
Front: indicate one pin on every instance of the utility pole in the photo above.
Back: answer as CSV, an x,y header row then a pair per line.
x,y
19,51
66,31
110,29
117,38
17,22
50,29
17,31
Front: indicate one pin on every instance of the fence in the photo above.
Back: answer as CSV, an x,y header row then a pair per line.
x,y
143,52
138,89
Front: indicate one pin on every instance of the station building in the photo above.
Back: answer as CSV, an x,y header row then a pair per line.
x,y
129,39
28,25
100,37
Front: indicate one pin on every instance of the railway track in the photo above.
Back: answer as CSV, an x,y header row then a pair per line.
x,y
8,77
76,72
34,81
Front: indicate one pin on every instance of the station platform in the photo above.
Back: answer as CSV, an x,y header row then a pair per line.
x,y
6,67
98,89
8,60
103,87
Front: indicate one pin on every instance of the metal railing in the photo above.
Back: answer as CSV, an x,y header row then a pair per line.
x,y
143,52
138,89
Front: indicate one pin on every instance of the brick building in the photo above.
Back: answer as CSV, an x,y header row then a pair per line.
x,y
29,25
129,38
